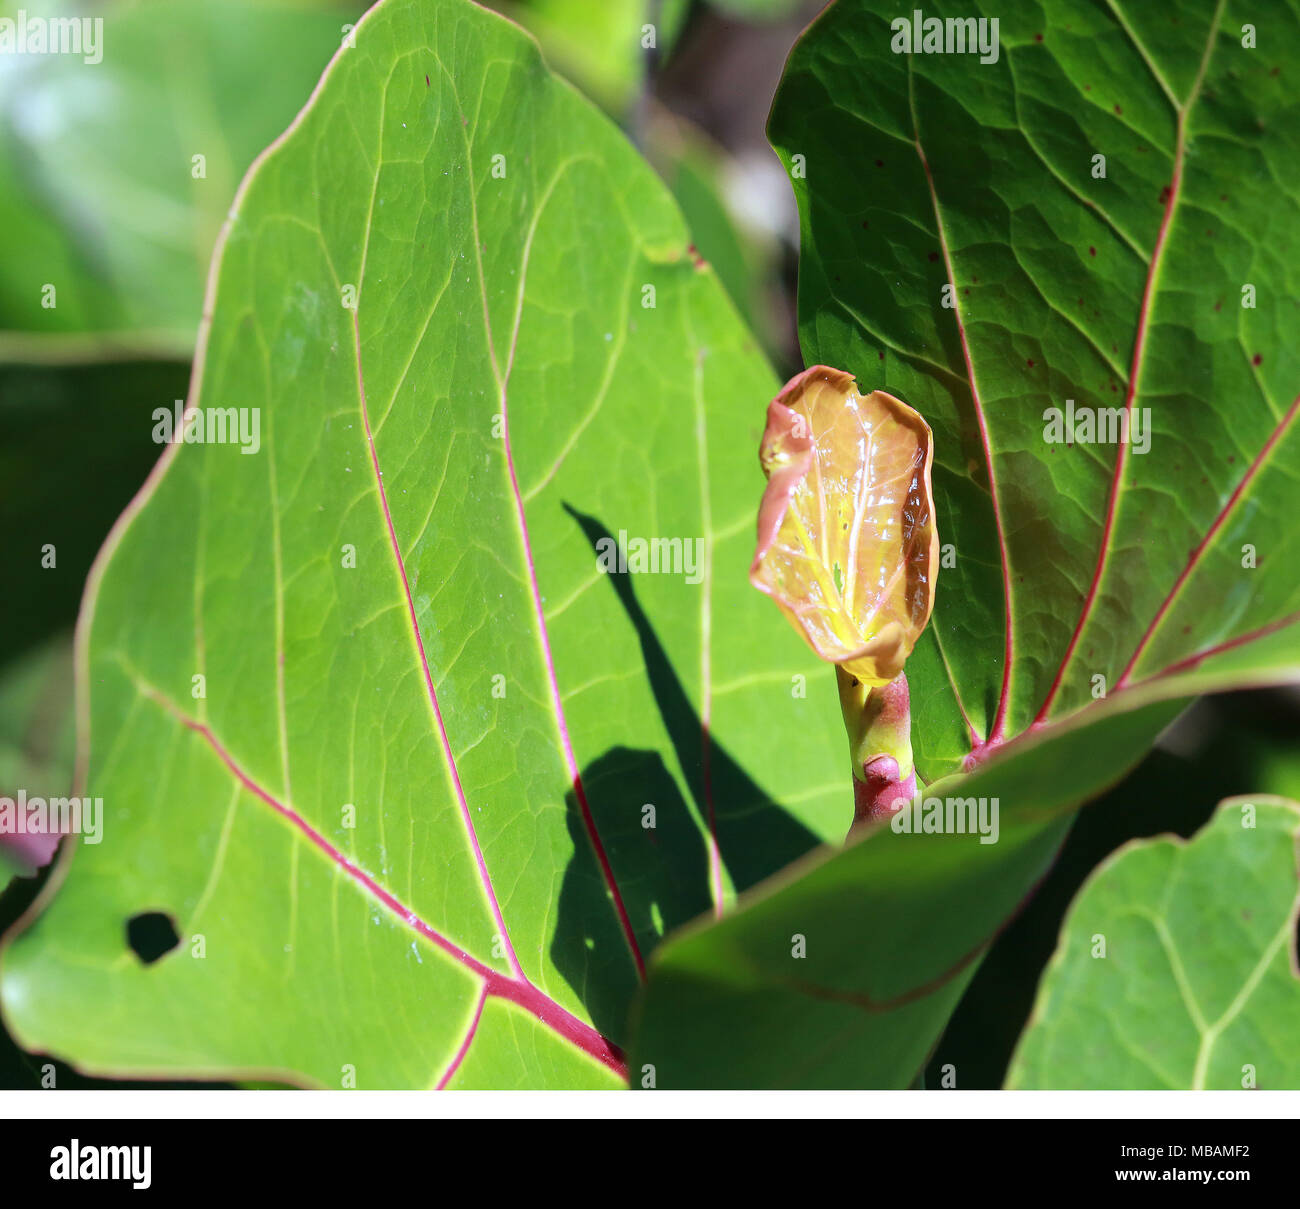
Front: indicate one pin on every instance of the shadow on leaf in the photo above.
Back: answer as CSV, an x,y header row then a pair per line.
x,y
658,853
662,871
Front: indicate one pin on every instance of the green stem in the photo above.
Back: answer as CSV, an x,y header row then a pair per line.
x,y
879,726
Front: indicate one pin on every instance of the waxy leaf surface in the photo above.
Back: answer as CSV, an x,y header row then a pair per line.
x,y
846,540
417,783
1176,966
987,267
843,971
963,248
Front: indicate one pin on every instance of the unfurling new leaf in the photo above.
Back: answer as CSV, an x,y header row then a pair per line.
x,y
847,545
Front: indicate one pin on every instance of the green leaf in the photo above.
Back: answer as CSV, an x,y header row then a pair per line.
x,y
100,193
1092,589
893,927
424,778
916,172
1176,964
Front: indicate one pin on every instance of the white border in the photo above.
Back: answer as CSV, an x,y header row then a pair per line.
x,y
870,1105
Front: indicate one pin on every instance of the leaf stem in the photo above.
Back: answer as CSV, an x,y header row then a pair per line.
x,y
879,725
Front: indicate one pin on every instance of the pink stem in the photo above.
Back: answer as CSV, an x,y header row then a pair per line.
x,y
879,724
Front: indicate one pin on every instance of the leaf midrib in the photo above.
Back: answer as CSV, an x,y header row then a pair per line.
x,y
515,989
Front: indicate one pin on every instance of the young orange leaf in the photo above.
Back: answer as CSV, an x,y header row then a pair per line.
x,y
846,540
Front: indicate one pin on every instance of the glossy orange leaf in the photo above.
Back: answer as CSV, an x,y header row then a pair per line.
x,y
846,538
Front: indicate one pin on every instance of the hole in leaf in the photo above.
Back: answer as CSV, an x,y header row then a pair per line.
x,y
151,935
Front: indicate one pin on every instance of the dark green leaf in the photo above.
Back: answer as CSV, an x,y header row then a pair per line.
x,y
1176,966
932,170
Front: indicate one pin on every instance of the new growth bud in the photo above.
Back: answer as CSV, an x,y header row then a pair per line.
x,y
847,548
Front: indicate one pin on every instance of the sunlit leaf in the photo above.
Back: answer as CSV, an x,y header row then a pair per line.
x,y
372,729
846,539
1176,966
958,246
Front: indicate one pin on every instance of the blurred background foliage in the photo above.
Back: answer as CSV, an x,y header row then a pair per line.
x,y
114,181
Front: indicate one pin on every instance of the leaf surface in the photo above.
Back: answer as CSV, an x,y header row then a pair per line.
x,y
446,782
842,971
958,251
980,269
1176,966
846,540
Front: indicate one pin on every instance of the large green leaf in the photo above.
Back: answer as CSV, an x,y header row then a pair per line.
x,y
921,171
497,711
1176,966
918,172
893,926
100,193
